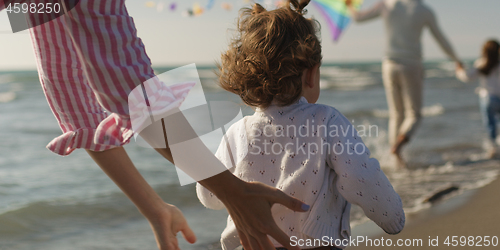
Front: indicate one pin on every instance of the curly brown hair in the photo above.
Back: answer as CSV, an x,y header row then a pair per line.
x,y
264,63
491,51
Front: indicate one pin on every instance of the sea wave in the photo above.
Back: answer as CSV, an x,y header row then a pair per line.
x,y
348,84
7,78
415,186
434,110
437,73
347,78
34,216
7,97
430,111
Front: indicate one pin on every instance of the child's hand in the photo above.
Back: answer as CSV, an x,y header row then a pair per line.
x,y
166,224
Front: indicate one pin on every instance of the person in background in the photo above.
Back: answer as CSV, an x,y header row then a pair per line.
x,y
89,60
402,68
487,70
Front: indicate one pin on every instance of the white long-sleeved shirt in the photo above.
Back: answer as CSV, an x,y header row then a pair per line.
x,y
404,22
490,84
311,152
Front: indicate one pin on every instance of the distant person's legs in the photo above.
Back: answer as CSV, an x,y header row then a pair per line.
x,y
392,83
490,108
404,86
412,90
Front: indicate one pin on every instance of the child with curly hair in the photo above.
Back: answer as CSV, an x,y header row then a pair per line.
x,y
307,150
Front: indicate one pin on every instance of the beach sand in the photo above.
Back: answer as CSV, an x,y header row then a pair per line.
x,y
473,213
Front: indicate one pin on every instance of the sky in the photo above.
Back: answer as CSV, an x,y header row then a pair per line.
x,y
172,39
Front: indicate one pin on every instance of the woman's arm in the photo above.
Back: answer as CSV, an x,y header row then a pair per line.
x,y
437,33
366,15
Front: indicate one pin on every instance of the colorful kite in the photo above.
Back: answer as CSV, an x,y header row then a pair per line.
x,y
337,14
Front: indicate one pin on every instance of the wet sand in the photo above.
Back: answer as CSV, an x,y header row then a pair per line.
x,y
474,213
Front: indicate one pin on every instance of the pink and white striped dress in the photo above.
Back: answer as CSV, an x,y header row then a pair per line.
x,y
89,60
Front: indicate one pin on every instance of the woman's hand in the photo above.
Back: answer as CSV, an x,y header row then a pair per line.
x,y
459,66
249,205
166,224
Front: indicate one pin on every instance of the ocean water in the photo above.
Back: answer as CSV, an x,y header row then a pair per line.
x,y
53,202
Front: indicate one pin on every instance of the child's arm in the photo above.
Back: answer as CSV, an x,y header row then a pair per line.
x,y
360,179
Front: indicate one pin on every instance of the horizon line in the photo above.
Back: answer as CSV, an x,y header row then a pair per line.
x,y
212,65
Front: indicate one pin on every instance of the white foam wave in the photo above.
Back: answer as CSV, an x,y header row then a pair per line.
x,y
415,186
489,177
346,78
434,110
206,73
7,97
15,87
6,78
348,83
447,66
435,73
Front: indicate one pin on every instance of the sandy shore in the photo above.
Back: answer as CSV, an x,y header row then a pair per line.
x,y
475,213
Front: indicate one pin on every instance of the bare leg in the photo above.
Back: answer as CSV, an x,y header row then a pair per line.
x,y
492,151
165,219
395,103
396,149
410,79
